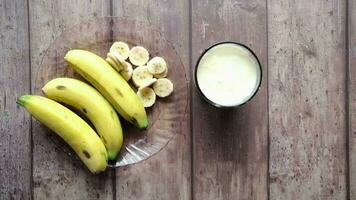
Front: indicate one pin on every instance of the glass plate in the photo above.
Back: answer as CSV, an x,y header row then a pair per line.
x,y
167,114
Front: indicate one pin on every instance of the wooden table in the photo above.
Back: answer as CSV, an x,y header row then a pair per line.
x,y
295,140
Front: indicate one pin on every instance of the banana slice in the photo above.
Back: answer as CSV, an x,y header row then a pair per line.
x,y
161,75
122,48
127,71
114,62
148,83
147,96
163,87
118,58
126,75
126,66
141,76
156,65
138,56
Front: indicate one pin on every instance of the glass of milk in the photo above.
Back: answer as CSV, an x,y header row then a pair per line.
x,y
228,74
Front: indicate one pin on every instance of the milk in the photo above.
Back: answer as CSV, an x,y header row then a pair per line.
x,y
228,74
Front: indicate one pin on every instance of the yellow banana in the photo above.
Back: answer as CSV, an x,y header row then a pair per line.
x,y
69,126
94,106
110,84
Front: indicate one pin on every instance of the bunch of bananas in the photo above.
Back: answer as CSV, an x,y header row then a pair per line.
x,y
112,92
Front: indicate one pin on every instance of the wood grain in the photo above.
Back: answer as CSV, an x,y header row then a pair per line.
x,y
167,174
307,85
352,96
55,174
230,146
302,106
15,149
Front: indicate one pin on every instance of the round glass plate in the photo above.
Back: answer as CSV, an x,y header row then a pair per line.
x,y
166,115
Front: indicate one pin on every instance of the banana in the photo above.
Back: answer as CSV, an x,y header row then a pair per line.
x,y
161,75
156,65
114,61
122,48
70,127
94,106
163,87
126,72
147,96
110,84
139,56
141,76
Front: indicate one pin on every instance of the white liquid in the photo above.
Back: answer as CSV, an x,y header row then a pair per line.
x,y
228,74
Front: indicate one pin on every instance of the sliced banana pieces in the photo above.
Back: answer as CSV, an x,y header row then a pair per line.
x,y
141,76
147,96
163,87
138,56
126,72
157,65
161,75
122,48
148,76
148,83
114,61
118,57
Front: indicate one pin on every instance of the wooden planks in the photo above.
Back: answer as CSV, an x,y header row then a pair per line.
x,y
307,104
55,174
352,96
230,146
15,149
167,174
307,85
